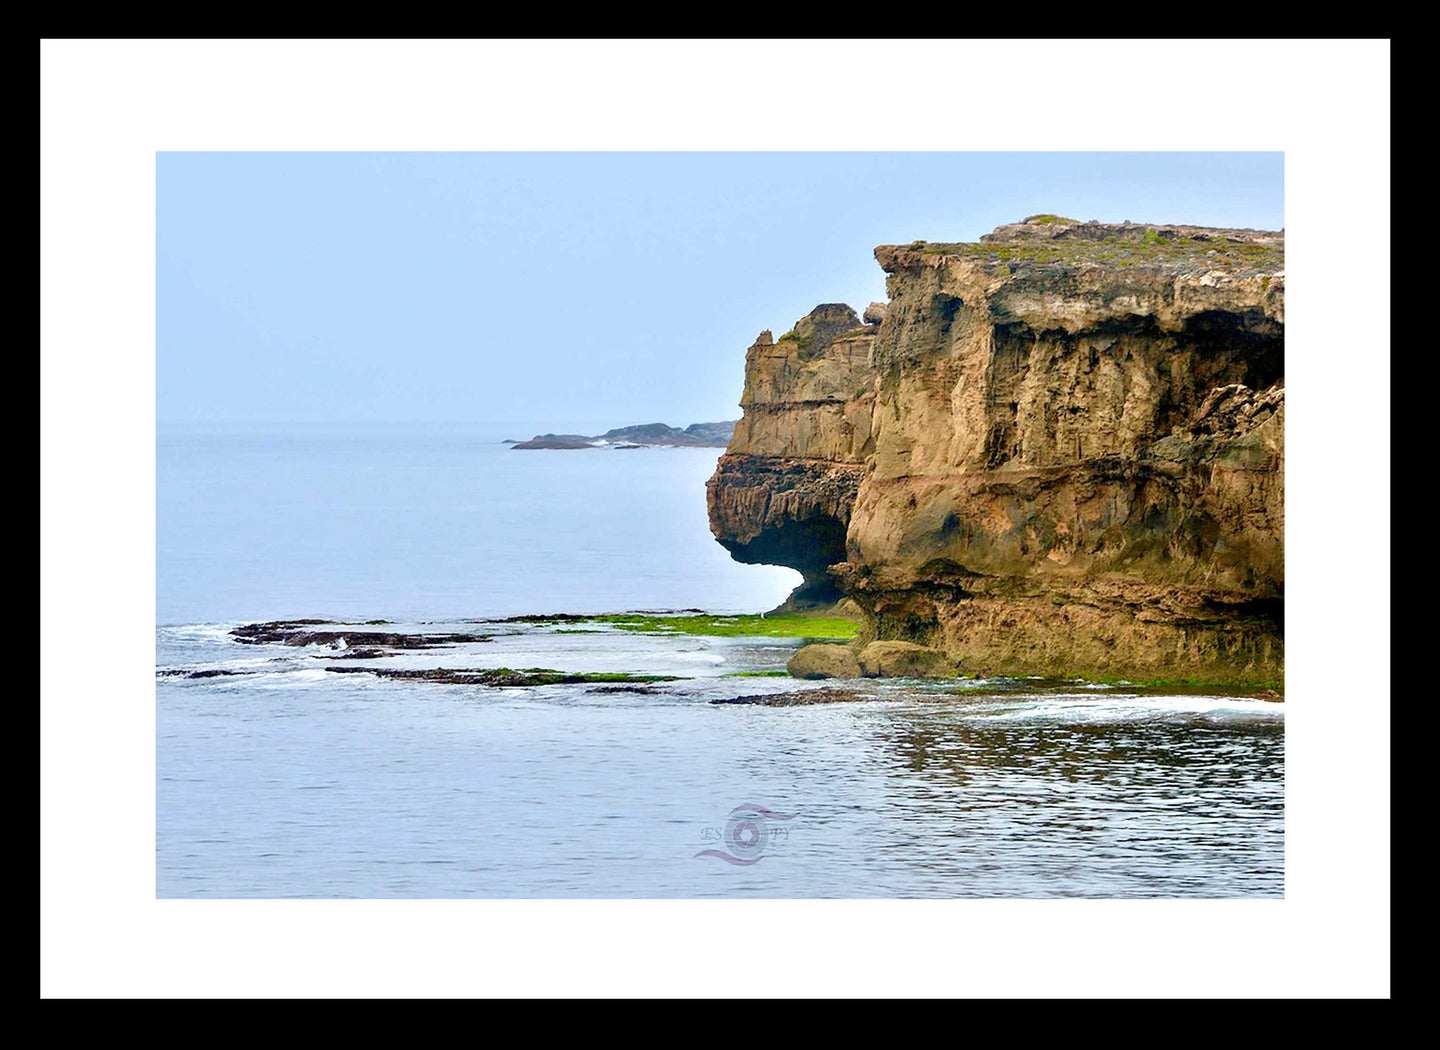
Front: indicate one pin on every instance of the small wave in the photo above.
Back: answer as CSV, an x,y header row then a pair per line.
x,y
296,678
199,632
698,657
1090,707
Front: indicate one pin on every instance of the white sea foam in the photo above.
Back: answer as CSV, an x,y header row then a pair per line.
x,y
199,632
1124,707
699,657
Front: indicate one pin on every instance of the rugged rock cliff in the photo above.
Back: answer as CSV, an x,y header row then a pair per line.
x,y
782,493
1072,462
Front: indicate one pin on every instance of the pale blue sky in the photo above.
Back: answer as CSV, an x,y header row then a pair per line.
x,y
578,291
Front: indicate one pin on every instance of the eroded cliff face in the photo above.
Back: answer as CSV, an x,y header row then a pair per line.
x,y
1073,461
783,491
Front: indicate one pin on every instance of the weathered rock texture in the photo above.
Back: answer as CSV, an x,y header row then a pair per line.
x,y
783,491
1073,461
824,661
896,659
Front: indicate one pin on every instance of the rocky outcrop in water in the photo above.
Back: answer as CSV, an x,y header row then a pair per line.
x,y
824,660
301,633
796,698
1065,445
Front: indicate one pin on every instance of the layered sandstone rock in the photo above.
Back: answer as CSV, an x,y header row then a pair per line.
x,y
783,491
896,659
1073,461
824,661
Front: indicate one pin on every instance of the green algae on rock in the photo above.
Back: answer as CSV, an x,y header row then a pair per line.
x,y
758,625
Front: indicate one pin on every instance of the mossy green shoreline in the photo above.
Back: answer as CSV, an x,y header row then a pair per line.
x,y
759,625
823,628
749,625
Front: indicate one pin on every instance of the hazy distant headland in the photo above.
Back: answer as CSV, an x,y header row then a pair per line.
x,y
643,435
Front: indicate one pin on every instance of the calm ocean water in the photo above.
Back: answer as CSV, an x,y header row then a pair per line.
x,y
284,779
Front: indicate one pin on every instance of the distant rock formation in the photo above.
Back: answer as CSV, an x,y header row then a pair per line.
x,y
556,441
713,433
1057,451
696,435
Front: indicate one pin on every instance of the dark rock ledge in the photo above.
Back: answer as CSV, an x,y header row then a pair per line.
x,y
797,698
298,633
502,676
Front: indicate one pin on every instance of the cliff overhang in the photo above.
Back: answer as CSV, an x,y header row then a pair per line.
x,y
1062,452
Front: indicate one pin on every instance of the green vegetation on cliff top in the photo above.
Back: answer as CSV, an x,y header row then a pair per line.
x,y
1149,249
793,336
